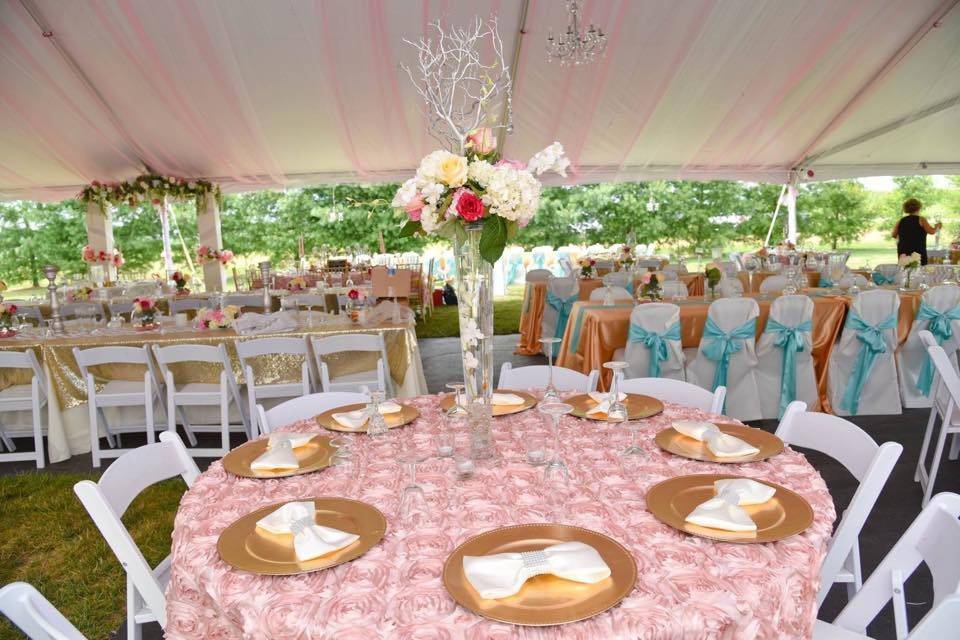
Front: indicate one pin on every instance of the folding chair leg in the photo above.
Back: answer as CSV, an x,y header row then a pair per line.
x,y
186,426
106,427
935,464
854,561
134,630
7,441
954,447
931,422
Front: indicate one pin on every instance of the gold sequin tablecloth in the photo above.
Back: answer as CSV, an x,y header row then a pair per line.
x,y
68,416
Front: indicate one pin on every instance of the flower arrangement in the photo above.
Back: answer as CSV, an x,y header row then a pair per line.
x,y
909,264
650,288
80,294
7,311
586,266
626,255
98,256
145,311
150,188
297,284
451,190
217,318
208,254
353,294
713,275
180,279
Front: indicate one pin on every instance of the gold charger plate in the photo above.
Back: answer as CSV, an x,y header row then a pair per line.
x,y
785,514
638,406
529,401
678,444
243,546
313,456
545,599
406,415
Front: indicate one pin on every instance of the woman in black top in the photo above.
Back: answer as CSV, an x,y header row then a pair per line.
x,y
912,229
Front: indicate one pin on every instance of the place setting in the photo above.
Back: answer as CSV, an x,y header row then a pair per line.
x,y
281,455
372,418
503,402
615,405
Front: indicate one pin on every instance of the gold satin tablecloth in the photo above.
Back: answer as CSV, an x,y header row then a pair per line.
x,y
535,296
813,278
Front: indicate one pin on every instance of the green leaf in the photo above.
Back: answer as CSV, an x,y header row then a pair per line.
x,y
410,228
493,238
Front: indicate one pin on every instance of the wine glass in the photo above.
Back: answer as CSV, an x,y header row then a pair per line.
x,y
633,451
411,451
750,265
550,394
616,410
459,407
554,411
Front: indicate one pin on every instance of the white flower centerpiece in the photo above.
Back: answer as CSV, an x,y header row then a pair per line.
x,y
467,193
908,264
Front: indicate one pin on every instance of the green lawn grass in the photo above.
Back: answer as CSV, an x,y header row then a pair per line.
x,y
48,540
443,322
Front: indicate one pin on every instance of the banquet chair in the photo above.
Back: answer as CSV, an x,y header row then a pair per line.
x,y
678,268
784,352
31,312
885,273
106,501
850,279
674,289
72,310
120,308
353,344
17,398
946,391
34,615
117,394
537,377
773,284
730,287
245,301
304,408
870,464
560,296
617,294
668,274
653,343
621,279
728,268
307,301
183,305
930,539
538,275
247,350
201,394
677,392
939,313
727,356
862,370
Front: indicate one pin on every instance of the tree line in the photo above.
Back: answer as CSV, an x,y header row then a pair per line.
x,y
679,216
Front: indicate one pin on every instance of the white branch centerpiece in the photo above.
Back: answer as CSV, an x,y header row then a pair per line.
x,y
467,192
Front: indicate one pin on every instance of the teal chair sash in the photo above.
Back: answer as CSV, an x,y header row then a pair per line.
x,y
881,279
939,324
790,339
721,345
513,268
656,343
872,346
539,260
825,282
563,307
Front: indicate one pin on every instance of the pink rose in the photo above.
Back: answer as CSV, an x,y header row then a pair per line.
x,y
646,278
414,207
516,164
467,205
481,141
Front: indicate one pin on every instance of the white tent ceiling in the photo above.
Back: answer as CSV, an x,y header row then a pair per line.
x,y
258,94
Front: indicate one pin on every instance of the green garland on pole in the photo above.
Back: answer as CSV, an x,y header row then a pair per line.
x,y
149,188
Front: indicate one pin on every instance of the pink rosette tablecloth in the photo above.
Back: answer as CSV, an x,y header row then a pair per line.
x,y
687,587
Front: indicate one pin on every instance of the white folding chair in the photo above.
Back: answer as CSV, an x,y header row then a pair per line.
x,y
872,317
180,397
789,326
117,394
181,305
304,408
938,304
120,308
869,463
677,392
72,310
733,319
245,301
34,615
537,377
930,539
18,398
247,350
773,284
309,301
616,294
946,391
645,321
31,312
376,378
106,501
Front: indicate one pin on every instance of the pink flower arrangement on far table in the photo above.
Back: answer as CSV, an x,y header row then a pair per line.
x,y
297,284
217,318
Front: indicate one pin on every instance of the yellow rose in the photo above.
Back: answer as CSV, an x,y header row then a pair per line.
x,y
452,170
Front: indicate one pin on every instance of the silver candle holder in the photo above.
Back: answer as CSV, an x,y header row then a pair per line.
x,y
265,279
50,272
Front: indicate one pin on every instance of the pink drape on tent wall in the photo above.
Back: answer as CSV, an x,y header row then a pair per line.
x,y
297,92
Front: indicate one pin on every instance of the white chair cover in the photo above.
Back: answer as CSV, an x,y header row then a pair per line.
x,y
678,268
731,287
773,284
912,354
790,311
873,307
618,294
728,267
668,273
674,289
743,396
564,288
656,318
538,275
618,279
887,273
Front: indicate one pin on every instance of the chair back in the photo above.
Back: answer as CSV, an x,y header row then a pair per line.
x,y
74,309
244,300
853,448
120,308
655,317
539,275
33,614
308,300
931,539
305,407
618,279
537,376
616,294
731,287
25,359
773,284
677,392
674,289
940,622
266,346
108,499
189,304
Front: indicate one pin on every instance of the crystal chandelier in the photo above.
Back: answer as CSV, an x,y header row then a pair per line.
x,y
574,46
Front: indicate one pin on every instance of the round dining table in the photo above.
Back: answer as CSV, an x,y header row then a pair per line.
x,y
687,587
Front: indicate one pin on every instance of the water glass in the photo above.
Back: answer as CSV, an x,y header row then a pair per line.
x,y
445,443
535,445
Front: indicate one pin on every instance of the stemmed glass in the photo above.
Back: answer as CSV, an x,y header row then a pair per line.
x,y
555,410
458,407
411,451
616,410
551,394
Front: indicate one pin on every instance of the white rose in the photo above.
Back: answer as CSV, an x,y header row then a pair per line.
x,y
405,194
432,193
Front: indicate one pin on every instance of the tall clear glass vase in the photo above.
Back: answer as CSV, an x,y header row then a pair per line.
x,y
475,310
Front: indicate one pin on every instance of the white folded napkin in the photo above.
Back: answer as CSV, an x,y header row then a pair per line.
x,y
502,575
506,399
603,401
719,443
295,439
257,323
357,418
724,511
310,540
279,457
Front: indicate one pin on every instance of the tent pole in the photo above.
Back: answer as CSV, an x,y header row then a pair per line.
x,y
165,231
766,242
